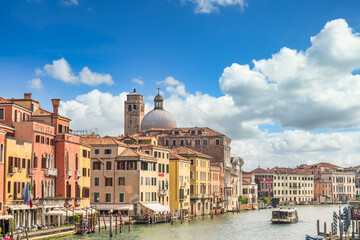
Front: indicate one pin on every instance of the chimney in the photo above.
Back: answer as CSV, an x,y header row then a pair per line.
x,y
55,103
27,95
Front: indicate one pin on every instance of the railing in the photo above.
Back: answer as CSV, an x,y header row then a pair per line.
x,y
163,192
197,195
51,172
183,185
216,194
77,173
11,171
30,172
68,173
49,201
205,195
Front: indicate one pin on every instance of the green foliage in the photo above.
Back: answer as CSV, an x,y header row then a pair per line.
x,y
243,200
265,200
12,225
358,198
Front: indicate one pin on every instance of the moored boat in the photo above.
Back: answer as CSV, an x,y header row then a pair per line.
x,y
282,215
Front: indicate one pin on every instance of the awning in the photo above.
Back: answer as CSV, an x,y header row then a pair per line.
x,y
114,207
156,207
19,207
59,212
6,217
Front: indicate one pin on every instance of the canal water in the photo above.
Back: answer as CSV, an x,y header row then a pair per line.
x,y
247,225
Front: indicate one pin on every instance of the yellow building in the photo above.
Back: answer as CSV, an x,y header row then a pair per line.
x,y
18,159
200,197
84,178
179,182
163,168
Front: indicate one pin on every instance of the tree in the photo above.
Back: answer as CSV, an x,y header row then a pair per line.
x,y
265,200
243,200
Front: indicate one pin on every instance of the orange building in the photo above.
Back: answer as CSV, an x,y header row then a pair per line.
x,y
322,191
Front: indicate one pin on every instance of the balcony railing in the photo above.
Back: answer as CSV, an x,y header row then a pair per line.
x,y
51,172
77,173
11,171
68,173
30,172
163,192
216,194
183,185
197,195
50,201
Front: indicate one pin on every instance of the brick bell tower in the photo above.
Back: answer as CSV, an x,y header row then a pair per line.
x,y
134,110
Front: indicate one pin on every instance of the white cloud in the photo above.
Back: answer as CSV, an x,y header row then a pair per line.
x,y
173,86
291,148
138,81
61,70
96,110
209,6
93,78
35,84
69,3
310,89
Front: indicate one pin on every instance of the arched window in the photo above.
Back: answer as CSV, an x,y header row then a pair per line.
x,y
76,162
1,153
68,190
34,195
42,189
191,189
129,108
67,161
134,107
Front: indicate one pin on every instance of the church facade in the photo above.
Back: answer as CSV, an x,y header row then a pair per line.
x,y
161,124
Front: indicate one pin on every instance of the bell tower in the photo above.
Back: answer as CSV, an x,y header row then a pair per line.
x,y
134,110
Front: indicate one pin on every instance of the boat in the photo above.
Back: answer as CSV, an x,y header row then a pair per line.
x,y
284,215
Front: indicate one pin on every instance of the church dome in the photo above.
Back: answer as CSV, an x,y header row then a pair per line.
x,y
158,117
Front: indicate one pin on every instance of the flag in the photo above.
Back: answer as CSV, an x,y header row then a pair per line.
x,y
26,193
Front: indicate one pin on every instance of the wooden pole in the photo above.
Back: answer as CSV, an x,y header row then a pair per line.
x,y
116,224
318,227
99,221
104,220
325,229
129,221
120,222
111,225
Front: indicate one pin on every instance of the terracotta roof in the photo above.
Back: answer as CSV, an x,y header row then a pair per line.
x,y
96,140
187,151
122,138
259,170
3,100
152,145
245,182
41,112
174,156
131,153
247,175
324,164
280,170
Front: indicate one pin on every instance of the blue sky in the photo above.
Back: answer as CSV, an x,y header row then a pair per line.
x,y
156,39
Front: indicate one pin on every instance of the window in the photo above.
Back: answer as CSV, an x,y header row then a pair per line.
x,y
107,151
129,108
96,182
84,153
84,172
23,163
42,140
2,116
37,138
96,166
108,165
174,142
217,142
181,142
97,151
108,182
108,197
121,181
9,187
197,142
205,142
47,141
191,162
121,197
120,165
166,142
167,168
51,142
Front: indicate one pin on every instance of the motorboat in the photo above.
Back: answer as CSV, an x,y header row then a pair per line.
x,y
284,215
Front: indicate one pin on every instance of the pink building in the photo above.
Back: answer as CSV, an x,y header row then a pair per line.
x,y
318,168
265,181
215,185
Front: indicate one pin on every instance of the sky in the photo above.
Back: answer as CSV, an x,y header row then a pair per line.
x,y
280,78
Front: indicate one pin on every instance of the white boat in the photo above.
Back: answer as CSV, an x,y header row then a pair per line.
x,y
284,215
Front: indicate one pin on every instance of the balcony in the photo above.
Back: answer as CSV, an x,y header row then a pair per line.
x,y
68,173
51,172
216,194
77,173
183,185
30,172
11,171
205,195
163,192
197,195
54,202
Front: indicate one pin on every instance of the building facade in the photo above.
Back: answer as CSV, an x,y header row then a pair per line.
x,y
179,182
293,186
265,181
215,185
250,188
200,197
134,110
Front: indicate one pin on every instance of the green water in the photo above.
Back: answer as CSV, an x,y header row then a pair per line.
x,y
245,225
